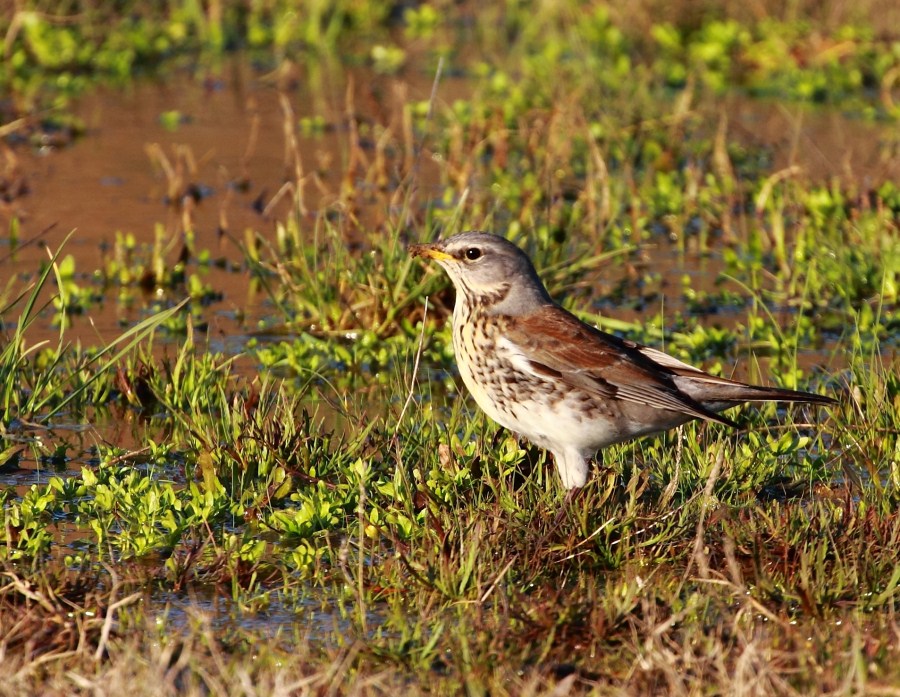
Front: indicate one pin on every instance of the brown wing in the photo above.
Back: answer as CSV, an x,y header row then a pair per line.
x,y
557,343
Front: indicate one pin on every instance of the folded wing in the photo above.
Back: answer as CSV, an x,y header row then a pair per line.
x,y
603,364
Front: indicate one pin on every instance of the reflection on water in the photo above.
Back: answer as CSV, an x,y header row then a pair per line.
x,y
320,616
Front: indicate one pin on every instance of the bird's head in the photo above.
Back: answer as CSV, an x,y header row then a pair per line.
x,y
487,270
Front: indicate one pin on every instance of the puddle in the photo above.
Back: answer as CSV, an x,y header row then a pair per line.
x,y
230,144
825,143
320,617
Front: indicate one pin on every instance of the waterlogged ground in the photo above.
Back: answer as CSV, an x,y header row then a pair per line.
x,y
109,184
279,485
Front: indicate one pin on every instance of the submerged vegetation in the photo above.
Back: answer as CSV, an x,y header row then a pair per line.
x,y
323,511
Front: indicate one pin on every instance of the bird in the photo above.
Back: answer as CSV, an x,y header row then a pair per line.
x,y
569,388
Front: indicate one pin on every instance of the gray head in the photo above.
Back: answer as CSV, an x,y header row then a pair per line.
x,y
489,271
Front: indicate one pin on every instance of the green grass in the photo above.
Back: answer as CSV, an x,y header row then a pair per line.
x,y
367,530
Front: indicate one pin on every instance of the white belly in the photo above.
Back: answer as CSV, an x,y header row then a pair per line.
x,y
549,415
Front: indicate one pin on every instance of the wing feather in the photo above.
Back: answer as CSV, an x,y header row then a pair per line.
x,y
601,363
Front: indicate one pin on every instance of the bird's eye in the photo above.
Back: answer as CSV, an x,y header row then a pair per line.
x,y
473,253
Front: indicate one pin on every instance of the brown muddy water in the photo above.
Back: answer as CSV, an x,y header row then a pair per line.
x,y
230,143
228,150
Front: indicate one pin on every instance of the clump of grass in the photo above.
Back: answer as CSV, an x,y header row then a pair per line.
x,y
32,388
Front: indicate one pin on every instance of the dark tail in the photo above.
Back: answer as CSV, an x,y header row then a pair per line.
x,y
712,390
757,393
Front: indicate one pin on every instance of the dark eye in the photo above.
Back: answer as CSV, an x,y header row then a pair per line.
x,y
473,253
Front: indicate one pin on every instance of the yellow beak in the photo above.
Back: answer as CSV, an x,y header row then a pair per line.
x,y
430,251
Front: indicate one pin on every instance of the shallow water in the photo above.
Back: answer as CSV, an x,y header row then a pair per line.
x,y
319,617
230,147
